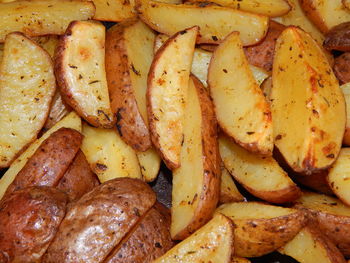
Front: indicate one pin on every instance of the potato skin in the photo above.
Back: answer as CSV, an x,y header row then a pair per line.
x,y
130,124
50,161
338,38
342,68
149,240
78,179
29,219
113,208
261,55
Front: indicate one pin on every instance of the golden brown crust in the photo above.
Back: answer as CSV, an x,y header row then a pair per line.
x,y
99,220
342,68
316,181
130,124
338,38
29,219
50,161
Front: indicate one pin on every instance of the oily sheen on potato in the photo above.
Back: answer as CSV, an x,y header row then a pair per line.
x,y
308,107
27,85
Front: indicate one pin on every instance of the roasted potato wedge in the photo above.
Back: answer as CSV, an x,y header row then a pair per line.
x,y
167,94
113,208
48,42
81,74
115,11
72,121
29,219
196,183
346,3
306,93
310,246
27,85
170,18
346,91
338,37
36,18
211,243
108,155
261,228
342,68
315,181
149,164
325,14
228,189
261,176
129,54
330,216
231,82
57,112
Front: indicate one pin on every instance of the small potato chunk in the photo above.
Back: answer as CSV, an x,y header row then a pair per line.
x,y
261,228
311,246
50,161
149,164
241,108
306,93
57,112
316,181
48,42
228,190
99,220
338,38
170,18
346,91
211,243
196,183
29,219
81,74
167,94
27,85
342,68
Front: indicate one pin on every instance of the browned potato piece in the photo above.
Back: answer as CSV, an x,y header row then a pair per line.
x,y
149,240
330,216
99,220
129,54
342,68
316,181
346,3
57,112
50,161
78,179
338,38
261,55
29,219
115,11
228,189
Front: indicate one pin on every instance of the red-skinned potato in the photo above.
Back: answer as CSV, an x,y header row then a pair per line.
x,y
338,38
341,68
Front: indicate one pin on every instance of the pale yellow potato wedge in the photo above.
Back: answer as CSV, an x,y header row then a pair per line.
x,y
346,91
108,155
42,17
261,176
27,85
72,120
325,14
311,246
196,183
149,164
258,224
241,108
211,243
48,42
269,8
346,3
167,94
80,72
306,93
228,189
215,22
113,10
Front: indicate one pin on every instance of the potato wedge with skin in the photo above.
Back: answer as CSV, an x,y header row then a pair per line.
x,y
57,112
72,120
167,94
49,162
310,246
211,243
342,68
306,93
129,54
149,164
261,176
196,183
338,38
346,91
330,216
108,155
315,181
169,19
230,83
27,85
99,220
228,190
29,220
114,11
325,14
36,18
261,228
346,3
80,72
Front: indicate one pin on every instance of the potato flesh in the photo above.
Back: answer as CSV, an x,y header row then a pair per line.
x,y
231,82
215,22
42,17
27,85
228,190
49,43
149,164
108,155
72,120
211,243
115,11
306,93
346,91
